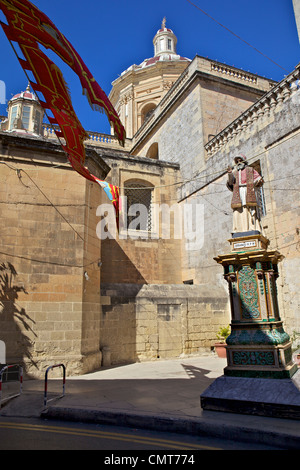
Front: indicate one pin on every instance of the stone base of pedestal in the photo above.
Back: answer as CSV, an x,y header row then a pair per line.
x,y
255,372
259,360
278,398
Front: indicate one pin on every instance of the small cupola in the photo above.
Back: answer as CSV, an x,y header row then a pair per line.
x,y
164,41
25,113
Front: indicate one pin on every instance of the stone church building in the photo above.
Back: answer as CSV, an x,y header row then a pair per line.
x,y
75,290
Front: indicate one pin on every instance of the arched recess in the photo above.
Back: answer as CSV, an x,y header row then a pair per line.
x,y
146,112
153,151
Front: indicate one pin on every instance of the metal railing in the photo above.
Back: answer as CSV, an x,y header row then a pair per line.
x,y
20,373
46,383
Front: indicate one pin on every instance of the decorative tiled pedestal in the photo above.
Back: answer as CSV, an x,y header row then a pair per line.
x,y
258,348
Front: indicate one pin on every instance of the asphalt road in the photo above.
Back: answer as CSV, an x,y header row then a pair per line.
x,y
36,434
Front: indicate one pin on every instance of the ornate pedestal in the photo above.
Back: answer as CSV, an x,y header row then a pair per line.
x,y
258,347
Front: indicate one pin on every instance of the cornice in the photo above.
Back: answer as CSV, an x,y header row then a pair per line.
x,y
265,105
43,146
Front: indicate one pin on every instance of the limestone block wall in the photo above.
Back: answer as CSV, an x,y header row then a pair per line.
x,y
49,313
221,103
206,97
150,322
179,135
138,256
91,271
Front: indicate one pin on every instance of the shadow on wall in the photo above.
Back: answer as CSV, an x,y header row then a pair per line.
x,y
14,319
117,267
121,281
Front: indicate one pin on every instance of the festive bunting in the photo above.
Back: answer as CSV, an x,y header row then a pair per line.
x,y
29,23
28,26
112,193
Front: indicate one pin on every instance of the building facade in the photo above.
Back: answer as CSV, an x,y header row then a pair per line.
x,y
72,287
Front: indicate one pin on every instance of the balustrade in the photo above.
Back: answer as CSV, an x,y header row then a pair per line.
x,y
94,137
238,74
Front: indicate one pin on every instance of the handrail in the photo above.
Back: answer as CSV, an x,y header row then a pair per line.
x,y
21,382
46,383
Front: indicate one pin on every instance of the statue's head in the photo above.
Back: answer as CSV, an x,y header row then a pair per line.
x,y
240,162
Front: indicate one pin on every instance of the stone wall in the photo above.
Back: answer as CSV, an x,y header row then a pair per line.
x,y
179,134
138,256
53,262
150,322
221,103
147,311
49,312
205,99
166,318
268,134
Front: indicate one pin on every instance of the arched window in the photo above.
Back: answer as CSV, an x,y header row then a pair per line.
x,y
147,111
139,205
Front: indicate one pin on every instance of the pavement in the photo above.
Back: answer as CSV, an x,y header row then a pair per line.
x,y
163,395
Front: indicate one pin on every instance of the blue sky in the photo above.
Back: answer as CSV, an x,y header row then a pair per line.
x,y
112,35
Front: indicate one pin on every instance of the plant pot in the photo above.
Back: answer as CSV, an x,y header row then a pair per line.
x,y
296,357
220,349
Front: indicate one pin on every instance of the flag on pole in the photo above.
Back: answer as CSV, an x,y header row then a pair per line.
x,y
28,27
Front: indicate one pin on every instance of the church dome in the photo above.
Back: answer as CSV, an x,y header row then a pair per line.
x,y
140,88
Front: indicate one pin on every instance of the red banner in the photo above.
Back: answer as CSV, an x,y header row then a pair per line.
x,y
28,23
28,26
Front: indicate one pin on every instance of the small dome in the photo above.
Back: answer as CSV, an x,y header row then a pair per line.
x,y
25,114
164,43
164,29
25,94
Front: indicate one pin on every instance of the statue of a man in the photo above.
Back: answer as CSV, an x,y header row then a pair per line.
x,y
242,181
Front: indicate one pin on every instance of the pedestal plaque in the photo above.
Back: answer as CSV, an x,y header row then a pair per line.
x,y
258,349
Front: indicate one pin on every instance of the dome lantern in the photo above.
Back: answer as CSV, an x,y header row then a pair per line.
x,y
164,41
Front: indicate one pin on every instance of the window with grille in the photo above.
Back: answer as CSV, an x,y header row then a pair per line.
x,y
139,206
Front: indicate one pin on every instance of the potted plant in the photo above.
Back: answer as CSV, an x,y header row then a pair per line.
x,y
220,346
